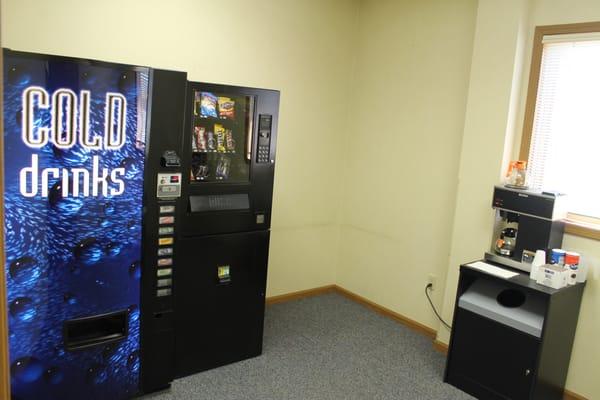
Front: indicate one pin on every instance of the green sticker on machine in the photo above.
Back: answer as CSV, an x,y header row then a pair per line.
x,y
223,273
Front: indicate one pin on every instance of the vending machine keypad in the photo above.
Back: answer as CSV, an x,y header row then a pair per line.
x,y
264,138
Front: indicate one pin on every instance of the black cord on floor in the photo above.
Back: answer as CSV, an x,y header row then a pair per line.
x,y
429,286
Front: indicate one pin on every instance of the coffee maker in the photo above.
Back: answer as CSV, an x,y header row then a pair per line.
x,y
525,221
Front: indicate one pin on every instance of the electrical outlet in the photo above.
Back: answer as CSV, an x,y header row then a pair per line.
x,y
432,280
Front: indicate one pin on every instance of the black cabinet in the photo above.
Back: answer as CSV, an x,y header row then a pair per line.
x,y
220,300
520,352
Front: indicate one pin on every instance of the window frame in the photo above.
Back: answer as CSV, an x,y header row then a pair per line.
x,y
578,225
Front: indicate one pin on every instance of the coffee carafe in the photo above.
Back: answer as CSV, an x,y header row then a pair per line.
x,y
507,242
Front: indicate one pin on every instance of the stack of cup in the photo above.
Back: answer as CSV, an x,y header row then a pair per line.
x,y
538,261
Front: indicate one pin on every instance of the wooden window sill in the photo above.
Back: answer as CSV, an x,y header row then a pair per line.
x,y
583,229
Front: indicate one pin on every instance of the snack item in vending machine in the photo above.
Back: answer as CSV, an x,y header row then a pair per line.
x,y
210,141
226,108
223,167
194,140
220,134
197,103
208,105
202,172
229,141
200,138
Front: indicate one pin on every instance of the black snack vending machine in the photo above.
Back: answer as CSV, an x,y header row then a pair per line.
x,y
223,225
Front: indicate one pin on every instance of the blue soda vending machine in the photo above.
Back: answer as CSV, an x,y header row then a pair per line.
x,y
76,147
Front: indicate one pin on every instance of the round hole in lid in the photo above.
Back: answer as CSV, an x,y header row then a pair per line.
x,y
511,298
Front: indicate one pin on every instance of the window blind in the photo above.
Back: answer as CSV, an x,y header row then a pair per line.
x,y
565,145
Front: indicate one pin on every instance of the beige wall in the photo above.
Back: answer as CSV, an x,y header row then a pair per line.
x,y
494,116
402,149
302,48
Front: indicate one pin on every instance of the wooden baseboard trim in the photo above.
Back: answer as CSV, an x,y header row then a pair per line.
x,y
299,295
568,395
425,330
412,324
440,346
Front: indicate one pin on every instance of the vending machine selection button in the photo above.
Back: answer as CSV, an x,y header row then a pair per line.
x,y
165,241
163,292
165,251
162,262
167,209
164,272
166,230
164,282
166,220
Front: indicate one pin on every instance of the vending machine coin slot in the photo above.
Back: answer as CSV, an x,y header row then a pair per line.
x,y
168,186
170,159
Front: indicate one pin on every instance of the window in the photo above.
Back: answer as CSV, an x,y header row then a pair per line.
x,y
561,137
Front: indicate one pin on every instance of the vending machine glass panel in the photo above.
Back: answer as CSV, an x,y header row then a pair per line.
x,y
221,142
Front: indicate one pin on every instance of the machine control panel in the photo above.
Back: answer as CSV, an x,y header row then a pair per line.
x,y
168,186
265,122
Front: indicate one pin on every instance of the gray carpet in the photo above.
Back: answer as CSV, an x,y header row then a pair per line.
x,y
326,347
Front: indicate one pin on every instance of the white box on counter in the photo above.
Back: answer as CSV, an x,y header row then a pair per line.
x,y
553,276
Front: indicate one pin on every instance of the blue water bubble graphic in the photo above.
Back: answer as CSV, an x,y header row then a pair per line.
x,y
131,167
23,308
88,251
24,270
75,156
88,78
53,375
135,270
132,224
109,208
66,205
69,298
97,374
18,75
133,361
112,249
58,351
134,313
27,369
127,81
108,350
